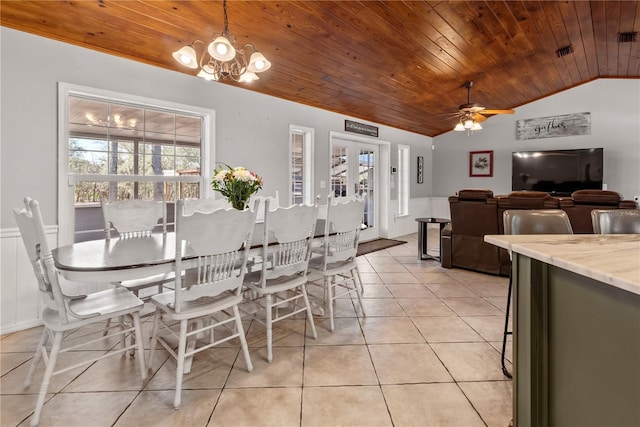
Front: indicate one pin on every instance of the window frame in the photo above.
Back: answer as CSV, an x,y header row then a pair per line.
x,y
308,137
404,179
67,181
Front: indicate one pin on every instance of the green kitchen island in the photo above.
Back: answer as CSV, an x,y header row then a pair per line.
x,y
576,329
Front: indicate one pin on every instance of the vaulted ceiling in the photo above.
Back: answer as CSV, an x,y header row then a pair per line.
x,y
398,63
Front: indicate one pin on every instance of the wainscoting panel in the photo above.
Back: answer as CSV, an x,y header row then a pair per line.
x,y
19,299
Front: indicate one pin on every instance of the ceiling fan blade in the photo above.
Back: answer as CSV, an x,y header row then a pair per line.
x,y
479,118
497,112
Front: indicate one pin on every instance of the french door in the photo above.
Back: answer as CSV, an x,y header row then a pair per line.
x,y
354,172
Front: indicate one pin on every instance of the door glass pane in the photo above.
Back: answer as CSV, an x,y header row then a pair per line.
x,y
339,171
297,168
366,183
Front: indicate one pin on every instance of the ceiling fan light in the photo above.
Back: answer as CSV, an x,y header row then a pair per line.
x,y
258,63
476,126
186,55
221,49
468,123
459,127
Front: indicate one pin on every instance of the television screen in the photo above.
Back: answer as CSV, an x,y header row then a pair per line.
x,y
558,172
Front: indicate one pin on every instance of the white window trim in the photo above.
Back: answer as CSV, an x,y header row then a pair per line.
x,y
404,179
66,182
307,152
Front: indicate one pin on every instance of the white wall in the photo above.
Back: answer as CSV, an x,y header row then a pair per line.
x,y
251,128
614,105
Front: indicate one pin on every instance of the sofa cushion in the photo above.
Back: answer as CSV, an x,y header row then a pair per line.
x,y
596,197
475,194
528,200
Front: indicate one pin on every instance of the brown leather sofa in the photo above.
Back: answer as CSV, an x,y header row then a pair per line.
x,y
474,213
477,212
582,202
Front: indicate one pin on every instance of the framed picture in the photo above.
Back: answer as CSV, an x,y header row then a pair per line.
x,y
481,163
420,169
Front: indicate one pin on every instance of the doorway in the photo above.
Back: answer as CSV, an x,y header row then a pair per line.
x,y
354,171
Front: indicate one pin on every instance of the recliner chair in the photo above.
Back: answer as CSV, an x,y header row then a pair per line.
x,y
474,213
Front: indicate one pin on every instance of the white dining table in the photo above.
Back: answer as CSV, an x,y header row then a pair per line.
x,y
116,260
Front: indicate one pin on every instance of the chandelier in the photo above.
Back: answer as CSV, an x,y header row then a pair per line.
x,y
221,59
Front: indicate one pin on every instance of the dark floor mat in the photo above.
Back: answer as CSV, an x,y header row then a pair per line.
x,y
377,245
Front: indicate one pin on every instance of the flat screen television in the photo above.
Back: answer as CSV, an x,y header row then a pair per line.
x,y
558,172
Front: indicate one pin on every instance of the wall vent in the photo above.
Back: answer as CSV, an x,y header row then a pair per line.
x,y
627,37
564,51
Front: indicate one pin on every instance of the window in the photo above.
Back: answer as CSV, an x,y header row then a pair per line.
x,y
403,180
118,148
301,161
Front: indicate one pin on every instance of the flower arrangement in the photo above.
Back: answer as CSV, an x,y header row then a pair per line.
x,y
236,184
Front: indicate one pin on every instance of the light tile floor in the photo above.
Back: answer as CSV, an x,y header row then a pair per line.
x,y
426,354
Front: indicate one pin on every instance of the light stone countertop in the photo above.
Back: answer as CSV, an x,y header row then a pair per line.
x,y
613,258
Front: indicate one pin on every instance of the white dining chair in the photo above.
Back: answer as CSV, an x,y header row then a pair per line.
x,y
63,314
208,285
131,219
335,258
281,281
274,203
205,205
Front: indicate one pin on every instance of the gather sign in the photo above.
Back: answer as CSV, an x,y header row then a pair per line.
x,y
554,126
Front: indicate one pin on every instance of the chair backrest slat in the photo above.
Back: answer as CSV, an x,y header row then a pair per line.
x,y
342,229
217,245
31,227
205,205
133,218
286,248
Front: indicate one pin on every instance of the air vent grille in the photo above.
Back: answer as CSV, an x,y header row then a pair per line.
x,y
627,37
563,51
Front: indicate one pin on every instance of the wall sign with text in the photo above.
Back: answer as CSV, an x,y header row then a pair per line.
x,y
360,128
554,126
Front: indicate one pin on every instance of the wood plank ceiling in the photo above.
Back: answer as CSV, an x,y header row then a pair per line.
x,y
398,63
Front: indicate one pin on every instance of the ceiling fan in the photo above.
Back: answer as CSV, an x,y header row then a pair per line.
x,y
472,114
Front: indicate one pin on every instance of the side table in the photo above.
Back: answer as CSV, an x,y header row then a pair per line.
x,y
423,225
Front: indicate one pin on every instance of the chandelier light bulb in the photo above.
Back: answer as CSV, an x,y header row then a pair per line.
x,y
248,77
221,49
186,55
258,63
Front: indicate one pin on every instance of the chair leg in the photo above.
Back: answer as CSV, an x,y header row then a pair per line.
x,y
140,344
506,330
123,341
154,338
182,346
243,339
359,280
37,356
328,283
269,322
359,288
48,373
309,313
